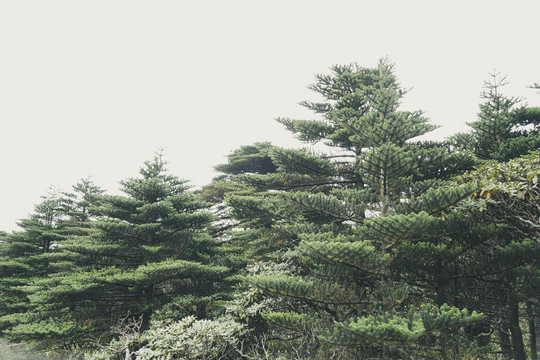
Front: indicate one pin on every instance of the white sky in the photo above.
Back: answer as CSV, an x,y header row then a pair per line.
x,y
94,87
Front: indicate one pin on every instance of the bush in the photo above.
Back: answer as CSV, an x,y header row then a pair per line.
x,y
190,338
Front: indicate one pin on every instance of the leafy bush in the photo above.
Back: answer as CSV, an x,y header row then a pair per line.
x,y
190,338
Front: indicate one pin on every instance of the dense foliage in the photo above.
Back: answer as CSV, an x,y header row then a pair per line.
x,y
376,245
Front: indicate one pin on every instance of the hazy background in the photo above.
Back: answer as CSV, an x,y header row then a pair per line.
x,y
95,87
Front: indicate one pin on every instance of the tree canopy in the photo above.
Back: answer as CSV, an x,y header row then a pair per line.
x,y
371,242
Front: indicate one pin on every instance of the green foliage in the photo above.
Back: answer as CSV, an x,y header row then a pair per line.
x,y
446,316
504,130
293,321
370,248
150,247
190,338
516,178
373,328
495,118
249,159
360,255
387,327
508,255
368,228
34,252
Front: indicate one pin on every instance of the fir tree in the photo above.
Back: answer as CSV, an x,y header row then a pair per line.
x,y
352,213
363,124
371,161
79,203
24,255
150,248
504,129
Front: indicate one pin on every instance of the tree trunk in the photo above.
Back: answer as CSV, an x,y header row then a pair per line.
x,y
518,347
148,303
443,345
383,193
532,331
506,347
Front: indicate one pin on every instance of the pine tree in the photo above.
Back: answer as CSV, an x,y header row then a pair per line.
x,y
504,132
384,281
495,118
351,215
78,204
24,255
249,159
150,248
504,129
247,195
75,224
363,128
525,135
362,123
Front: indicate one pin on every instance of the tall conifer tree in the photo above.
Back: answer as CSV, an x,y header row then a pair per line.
x,y
349,289
25,255
362,127
150,248
505,129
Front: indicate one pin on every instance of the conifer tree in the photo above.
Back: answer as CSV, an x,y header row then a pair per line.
x,y
361,121
24,255
150,248
495,118
247,196
79,203
352,212
75,225
363,128
504,129
247,160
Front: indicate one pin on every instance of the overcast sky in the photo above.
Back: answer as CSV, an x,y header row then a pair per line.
x,y
95,87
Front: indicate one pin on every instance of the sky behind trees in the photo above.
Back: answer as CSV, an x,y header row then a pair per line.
x,y
95,88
